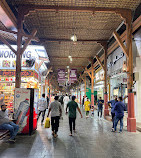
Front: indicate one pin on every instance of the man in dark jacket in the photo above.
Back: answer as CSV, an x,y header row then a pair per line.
x,y
119,113
100,106
113,102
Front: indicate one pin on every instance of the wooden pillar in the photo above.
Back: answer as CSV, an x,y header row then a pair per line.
x,y
106,110
92,87
19,46
77,92
131,120
80,98
85,87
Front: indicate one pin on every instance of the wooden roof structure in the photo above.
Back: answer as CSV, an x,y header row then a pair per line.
x,y
57,20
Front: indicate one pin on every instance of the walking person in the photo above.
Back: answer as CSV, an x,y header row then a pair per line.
x,y
87,105
42,106
56,112
119,114
113,102
100,106
83,101
66,100
72,106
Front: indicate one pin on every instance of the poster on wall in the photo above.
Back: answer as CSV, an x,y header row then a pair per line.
x,y
36,97
21,107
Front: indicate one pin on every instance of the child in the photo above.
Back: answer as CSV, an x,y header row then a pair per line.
x,y
87,107
92,111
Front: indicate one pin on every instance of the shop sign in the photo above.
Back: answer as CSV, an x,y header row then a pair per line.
x,y
116,58
61,75
73,75
7,53
36,75
13,72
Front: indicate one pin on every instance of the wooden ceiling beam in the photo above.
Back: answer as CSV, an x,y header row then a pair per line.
x,y
31,7
59,57
72,66
69,40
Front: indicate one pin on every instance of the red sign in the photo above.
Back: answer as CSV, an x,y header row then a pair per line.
x,y
12,73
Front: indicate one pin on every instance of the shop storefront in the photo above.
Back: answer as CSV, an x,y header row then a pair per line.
x,y
29,74
99,84
117,78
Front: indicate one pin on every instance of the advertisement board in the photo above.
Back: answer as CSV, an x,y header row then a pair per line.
x,y
61,75
21,107
73,75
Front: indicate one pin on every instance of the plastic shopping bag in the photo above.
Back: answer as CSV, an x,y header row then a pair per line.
x,y
47,123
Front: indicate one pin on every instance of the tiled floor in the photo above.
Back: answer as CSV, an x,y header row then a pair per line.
x,y
93,140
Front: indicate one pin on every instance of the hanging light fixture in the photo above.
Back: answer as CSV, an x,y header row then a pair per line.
x,y
74,38
124,67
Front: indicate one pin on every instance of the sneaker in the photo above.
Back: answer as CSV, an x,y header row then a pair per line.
x,y
55,135
70,134
120,132
12,140
113,130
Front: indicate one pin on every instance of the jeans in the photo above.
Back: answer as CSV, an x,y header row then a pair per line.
x,y
118,118
43,115
113,119
12,127
55,123
100,110
72,121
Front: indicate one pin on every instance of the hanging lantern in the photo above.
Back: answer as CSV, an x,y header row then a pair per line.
x,y
124,67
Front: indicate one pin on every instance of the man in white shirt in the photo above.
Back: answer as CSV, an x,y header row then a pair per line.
x,y
66,100
56,112
42,106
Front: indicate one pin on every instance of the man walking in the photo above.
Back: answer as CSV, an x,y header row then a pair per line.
x,y
100,106
56,112
42,106
113,102
119,114
5,123
66,100
72,105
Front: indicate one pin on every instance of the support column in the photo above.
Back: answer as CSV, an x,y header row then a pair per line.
x,y
131,120
92,88
85,87
106,110
19,46
80,98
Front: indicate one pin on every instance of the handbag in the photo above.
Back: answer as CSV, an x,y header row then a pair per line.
x,y
47,123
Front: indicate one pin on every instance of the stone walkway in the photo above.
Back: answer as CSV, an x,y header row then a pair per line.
x,y
92,140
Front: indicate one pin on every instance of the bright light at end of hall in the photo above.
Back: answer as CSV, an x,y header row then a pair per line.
x,y
74,38
67,67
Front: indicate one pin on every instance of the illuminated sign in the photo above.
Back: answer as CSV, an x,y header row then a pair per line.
x,y
12,73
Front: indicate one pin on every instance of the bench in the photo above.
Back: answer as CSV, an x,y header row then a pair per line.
x,y
3,133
